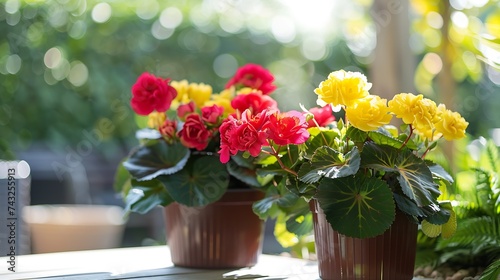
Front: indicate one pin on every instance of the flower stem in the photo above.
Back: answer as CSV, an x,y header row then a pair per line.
x,y
278,158
408,138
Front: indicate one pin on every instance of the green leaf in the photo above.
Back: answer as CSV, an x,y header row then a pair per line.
x,y
324,138
300,223
304,190
492,272
276,199
243,162
356,135
156,158
438,171
267,207
384,139
289,156
410,207
415,178
202,181
146,195
122,179
357,206
243,174
326,162
440,217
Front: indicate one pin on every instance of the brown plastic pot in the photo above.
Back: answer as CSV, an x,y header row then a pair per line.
x,y
224,234
390,256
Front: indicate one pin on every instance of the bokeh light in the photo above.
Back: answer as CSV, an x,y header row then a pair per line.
x,y
225,65
101,12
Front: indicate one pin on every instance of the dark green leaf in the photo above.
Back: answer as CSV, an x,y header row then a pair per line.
x,y
300,224
122,179
156,158
203,180
300,188
324,138
276,198
440,217
492,272
243,174
356,135
289,156
243,162
146,195
415,178
326,162
383,139
438,171
267,207
357,206
410,207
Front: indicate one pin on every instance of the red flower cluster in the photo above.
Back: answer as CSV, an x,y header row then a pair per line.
x,y
151,93
254,101
252,132
256,123
199,128
253,76
322,116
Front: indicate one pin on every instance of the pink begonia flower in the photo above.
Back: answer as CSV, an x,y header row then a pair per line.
x,y
255,101
212,114
194,133
150,93
323,116
287,128
253,76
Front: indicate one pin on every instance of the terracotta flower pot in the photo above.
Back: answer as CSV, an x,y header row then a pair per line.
x,y
390,256
224,234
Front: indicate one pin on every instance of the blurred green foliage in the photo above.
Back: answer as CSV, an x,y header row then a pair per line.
x,y
66,66
63,72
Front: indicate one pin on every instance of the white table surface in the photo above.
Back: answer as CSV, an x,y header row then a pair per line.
x,y
145,262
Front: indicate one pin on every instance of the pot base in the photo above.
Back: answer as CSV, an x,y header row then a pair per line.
x,y
224,234
390,256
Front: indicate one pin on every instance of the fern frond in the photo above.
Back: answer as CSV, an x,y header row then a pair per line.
x,y
492,272
492,154
479,232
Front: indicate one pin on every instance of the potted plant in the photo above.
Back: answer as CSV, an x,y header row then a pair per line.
x,y
208,205
368,183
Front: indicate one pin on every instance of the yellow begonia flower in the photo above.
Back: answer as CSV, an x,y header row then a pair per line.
x,y
402,106
186,92
223,99
425,112
156,119
369,113
342,88
182,90
450,124
199,93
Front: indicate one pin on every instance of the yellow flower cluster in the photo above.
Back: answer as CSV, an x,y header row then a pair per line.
x,y
223,99
428,119
156,119
369,112
186,92
342,88
350,90
201,94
